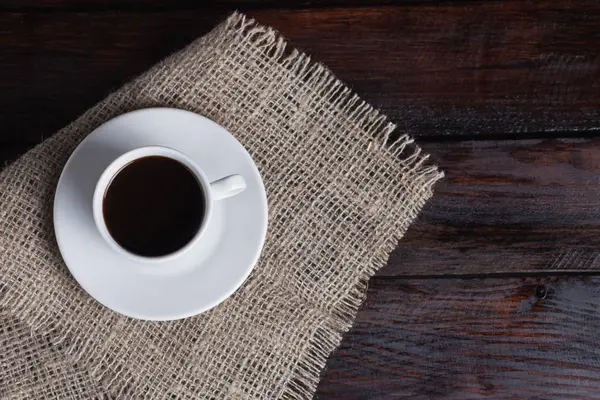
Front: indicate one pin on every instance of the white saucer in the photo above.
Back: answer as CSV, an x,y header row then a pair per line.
x,y
202,277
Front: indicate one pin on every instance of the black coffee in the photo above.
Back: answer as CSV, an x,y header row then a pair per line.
x,y
153,206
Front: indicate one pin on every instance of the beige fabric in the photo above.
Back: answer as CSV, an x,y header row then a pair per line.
x,y
340,196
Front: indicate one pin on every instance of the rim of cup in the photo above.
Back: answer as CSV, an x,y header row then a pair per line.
x,y
121,162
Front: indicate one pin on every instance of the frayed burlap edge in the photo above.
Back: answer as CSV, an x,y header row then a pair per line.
x,y
305,379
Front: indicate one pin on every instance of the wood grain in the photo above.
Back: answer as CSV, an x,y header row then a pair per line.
x,y
471,339
485,68
54,66
162,5
490,68
508,206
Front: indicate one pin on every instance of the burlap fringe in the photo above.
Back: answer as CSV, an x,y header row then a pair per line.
x,y
377,125
359,112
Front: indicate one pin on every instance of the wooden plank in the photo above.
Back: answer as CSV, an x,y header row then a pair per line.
x,y
159,5
471,339
469,68
506,207
486,68
54,66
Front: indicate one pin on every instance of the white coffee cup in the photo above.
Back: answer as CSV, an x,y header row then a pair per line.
x,y
213,191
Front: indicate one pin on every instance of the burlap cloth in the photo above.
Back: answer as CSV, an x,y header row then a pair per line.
x,y
340,196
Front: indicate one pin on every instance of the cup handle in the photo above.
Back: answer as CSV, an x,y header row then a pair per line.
x,y
227,187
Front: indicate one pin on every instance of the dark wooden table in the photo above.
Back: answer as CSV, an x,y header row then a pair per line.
x,y
494,291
